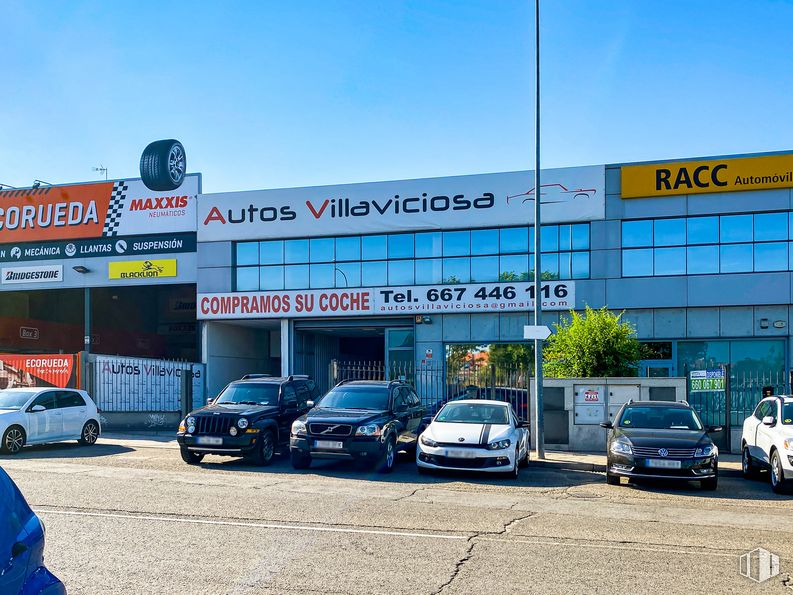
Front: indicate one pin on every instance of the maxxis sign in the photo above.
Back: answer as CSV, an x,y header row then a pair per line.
x,y
95,210
497,200
384,301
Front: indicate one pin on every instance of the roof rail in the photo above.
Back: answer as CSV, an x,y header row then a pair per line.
x,y
299,377
684,402
249,376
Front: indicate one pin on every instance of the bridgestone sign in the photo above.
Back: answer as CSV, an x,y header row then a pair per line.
x,y
35,274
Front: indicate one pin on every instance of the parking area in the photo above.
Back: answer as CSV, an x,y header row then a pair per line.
x,y
128,516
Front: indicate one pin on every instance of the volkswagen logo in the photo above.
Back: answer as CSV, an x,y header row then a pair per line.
x,y
461,439
663,452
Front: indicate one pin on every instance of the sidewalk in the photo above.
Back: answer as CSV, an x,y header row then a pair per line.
x,y
729,464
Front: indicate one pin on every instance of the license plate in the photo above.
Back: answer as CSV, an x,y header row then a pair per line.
x,y
330,444
663,464
460,454
209,441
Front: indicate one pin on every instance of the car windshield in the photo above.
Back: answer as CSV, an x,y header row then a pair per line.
x,y
787,414
353,397
13,399
660,418
249,394
473,413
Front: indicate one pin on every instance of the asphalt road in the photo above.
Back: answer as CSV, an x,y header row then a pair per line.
x,y
131,517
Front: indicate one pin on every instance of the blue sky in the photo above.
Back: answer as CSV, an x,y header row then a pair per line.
x,y
271,93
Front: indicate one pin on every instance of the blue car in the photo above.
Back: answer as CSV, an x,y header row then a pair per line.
x,y
22,568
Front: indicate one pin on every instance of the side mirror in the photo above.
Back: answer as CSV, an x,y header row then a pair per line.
x,y
38,408
309,404
523,424
210,401
714,429
606,424
769,420
18,549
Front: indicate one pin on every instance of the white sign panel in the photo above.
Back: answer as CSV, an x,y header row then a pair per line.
x,y
142,211
536,332
421,299
36,274
486,200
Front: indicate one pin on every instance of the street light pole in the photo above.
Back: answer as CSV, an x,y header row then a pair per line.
x,y
539,417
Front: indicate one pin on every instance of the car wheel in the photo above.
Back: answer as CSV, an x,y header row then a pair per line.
x,y
612,480
13,440
190,457
299,460
163,165
709,484
423,470
265,453
386,462
777,474
524,462
514,473
747,467
90,433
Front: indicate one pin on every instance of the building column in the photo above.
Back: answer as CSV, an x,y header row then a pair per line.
x,y
286,352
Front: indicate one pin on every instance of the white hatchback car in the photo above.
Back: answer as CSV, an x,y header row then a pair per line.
x,y
474,435
767,441
40,415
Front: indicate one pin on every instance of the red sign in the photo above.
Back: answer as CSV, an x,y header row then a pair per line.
x,y
38,370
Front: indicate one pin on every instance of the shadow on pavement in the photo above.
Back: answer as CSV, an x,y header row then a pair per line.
x,y
67,450
729,489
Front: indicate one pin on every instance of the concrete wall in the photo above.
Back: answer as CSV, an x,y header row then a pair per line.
x,y
231,351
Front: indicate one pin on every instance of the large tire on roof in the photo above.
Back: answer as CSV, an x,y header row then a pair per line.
x,y
163,165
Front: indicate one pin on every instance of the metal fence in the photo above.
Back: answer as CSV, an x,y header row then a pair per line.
x,y
747,391
436,385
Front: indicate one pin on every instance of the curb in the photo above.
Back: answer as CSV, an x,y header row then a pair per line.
x,y
601,467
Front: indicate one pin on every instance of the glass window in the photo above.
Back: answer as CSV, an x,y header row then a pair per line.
x,y
271,277
702,260
670,261
374,247
374,274
400,245
295,251
736,258
514,268
637,263
348,274
456,270
247,253
564,265
247,279
581,236
484,269
456,243
348,248
322,249
484,241
637,233
296,277
429,271
580,265
550,265
703,230
550,238
514,239
565,237
770,226
428,244
322,275
770,257
400,272
735,228
670,232
271,252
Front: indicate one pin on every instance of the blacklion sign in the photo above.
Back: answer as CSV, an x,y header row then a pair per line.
x,y
487,200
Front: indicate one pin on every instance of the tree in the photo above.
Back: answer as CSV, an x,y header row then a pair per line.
x,y
512,355
598,343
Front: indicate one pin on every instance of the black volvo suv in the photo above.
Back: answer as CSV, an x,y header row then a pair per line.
x,y
360,420
661,440
250,418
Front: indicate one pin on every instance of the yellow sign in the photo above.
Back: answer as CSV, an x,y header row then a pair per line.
x,y
142,269
714,175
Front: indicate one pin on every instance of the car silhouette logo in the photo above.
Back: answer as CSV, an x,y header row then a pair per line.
x,y
553,193
461,440
663,452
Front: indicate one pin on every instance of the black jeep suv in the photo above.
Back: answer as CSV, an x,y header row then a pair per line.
x,y
361,420
250,418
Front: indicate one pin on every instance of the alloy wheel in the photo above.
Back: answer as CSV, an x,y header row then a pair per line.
x,y
176,163
14,440
267,447
90,433
389,457
775,471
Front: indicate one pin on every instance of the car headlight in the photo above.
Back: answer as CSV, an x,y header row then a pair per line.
x,y
427,441
182,427
298,428
190,421
788,442
233,431
242,423
499,444
705,451
368,430
621,446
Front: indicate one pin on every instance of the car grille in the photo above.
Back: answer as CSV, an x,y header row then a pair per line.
x,y
214,424
674,453
461,445
477,463
330,429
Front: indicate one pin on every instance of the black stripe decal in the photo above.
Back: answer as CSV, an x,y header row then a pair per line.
x,y
485,434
